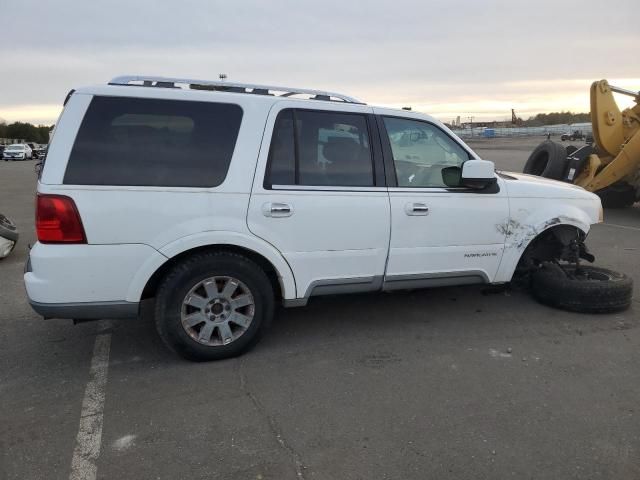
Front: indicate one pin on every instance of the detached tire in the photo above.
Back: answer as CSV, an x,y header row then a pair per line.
x,y
618,195
213,305
549,160
589,290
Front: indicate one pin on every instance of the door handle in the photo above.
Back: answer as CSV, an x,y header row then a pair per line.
x,y
416,209
277,210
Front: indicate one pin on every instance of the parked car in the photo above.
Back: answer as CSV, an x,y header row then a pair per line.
x,y
36,149
221,204
573,136
17,151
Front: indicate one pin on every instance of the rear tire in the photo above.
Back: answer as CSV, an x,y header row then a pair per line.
x,y
591,290
549,160
206,277
618,195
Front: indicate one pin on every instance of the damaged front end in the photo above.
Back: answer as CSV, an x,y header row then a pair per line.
x,y
562,243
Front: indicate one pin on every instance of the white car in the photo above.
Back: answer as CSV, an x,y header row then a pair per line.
x,y
219,200
17,151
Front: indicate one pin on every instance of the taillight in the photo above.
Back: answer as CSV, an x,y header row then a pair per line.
x,y
58,220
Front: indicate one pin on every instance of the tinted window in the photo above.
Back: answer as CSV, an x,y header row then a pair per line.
x,y
148,142
422,152
282,159
320,149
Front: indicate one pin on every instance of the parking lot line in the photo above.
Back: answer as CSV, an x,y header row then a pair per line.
x,y
89,438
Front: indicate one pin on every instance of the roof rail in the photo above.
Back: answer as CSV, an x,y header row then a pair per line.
x,y
219,85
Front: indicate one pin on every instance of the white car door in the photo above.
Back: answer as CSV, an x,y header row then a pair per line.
x,y
442,234
319,196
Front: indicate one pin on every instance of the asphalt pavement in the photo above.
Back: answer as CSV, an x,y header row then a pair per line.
x,y
451,383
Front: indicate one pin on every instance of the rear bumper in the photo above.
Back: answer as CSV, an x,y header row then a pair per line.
x,y
85,282
82,310
86,311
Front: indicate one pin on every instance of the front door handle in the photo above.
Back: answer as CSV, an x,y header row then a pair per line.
x,y
416,209
277,210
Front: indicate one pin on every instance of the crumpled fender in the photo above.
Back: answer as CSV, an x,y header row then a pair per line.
x,y
523,226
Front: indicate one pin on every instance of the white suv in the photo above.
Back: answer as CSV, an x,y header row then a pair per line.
x,y
219,200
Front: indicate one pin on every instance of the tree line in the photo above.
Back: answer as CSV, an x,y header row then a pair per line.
x,y
555,118
26,131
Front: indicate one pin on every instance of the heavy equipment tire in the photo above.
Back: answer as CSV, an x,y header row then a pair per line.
x,y
570,149
587,289
618,195
213,305
549,160
8,229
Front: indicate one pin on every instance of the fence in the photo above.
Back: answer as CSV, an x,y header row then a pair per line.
x,y
554,130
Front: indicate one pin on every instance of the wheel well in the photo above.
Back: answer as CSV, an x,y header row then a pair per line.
x,y
151,287
552,244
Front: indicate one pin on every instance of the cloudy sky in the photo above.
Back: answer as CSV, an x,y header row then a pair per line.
x,y
447,58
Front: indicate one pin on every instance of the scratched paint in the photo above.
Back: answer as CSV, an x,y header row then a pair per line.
x,y
519,235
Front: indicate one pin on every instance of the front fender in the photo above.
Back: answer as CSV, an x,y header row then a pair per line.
x,y
523,226
213,238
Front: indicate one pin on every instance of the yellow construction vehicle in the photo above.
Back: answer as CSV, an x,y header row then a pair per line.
x,y
609,165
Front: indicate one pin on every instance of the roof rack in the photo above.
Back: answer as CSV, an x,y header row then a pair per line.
x,y
225,86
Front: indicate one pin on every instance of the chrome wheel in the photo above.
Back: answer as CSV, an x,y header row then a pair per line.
x,y
217,311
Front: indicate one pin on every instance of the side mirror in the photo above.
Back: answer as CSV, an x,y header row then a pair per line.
x,y
478,174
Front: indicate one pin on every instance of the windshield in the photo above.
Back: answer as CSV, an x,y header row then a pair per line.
x,y
15,147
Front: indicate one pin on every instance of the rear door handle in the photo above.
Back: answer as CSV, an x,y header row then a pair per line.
x,y
416,209
277,210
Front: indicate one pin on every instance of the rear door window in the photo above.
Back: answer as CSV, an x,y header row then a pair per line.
x,y
320,148
150,142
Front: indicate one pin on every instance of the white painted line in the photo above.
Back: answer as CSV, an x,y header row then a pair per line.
x,y
89,438
626,227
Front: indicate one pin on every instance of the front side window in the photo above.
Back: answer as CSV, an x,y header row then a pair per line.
x,y
423,154
150,142
319,148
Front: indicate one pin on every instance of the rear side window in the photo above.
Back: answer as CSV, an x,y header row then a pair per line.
x,y
320,148
149,142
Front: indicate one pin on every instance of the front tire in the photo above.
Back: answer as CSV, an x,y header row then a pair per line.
x,y
213,305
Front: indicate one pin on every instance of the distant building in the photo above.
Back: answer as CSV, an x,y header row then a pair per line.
x,y
9,141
